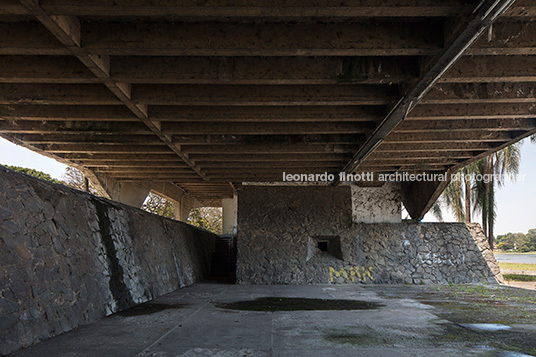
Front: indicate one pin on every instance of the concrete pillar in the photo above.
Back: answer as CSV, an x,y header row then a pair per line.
x,y
182,208
230,214
130,194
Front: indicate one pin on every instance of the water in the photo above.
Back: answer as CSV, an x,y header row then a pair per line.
x,y
516,258
487,327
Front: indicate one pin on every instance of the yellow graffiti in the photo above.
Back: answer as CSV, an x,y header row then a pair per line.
x,y
351,273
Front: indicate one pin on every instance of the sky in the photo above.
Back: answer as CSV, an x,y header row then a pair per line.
x,y
516,201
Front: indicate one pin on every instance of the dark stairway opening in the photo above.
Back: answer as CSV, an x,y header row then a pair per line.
x,y
224,258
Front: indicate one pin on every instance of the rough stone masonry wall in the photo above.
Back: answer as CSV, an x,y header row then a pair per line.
x,y
68,258
278,230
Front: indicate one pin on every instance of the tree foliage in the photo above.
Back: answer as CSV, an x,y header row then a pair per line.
x,y
518,242
209,218
34,173
158,205
466,193
76,179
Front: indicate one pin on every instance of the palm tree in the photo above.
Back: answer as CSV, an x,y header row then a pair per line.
x,y
502,163
452,197
459,194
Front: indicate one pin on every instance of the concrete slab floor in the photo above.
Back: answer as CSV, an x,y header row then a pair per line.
x,y
457,320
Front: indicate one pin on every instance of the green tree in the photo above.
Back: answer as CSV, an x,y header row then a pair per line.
x,y
209,218
502,163
76,179
158,205
34,173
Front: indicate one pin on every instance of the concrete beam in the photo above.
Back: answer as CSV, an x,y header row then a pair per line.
x,y
418,197
267,128
483,16
468,93
477,136
244,9
267,39
472,111
461,125
266,113
130,193
266,95
67,112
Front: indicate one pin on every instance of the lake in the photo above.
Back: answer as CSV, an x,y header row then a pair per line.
x,y
516,258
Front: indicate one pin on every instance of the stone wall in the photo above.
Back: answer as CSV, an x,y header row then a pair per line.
x,y
68,258
279,230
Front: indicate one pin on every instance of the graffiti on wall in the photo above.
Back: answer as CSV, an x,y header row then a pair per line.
x,y
356,274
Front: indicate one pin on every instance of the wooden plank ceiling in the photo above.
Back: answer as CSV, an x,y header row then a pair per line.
x,y
209,94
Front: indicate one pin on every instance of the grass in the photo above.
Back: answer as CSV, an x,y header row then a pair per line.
x,y
519,277
518,266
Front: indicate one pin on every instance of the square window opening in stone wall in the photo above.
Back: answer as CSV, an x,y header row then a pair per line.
x,y
323,245
328,245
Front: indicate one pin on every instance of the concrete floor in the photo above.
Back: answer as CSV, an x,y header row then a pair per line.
x,y
412,321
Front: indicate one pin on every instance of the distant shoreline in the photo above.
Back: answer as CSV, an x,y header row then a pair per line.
x,y
505,253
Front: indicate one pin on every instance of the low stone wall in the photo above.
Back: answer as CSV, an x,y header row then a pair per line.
x,y
280,230
68,258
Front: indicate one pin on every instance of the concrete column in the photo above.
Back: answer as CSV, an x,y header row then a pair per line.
x,y
230,214
130,194
182,208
